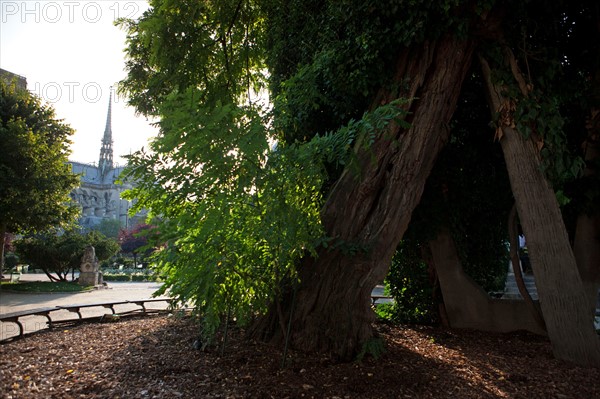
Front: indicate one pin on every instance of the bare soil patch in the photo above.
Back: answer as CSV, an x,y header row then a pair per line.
x,y
154,358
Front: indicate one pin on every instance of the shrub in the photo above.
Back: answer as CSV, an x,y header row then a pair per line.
x,y
11,260
116,277
128,275
409,285
142,277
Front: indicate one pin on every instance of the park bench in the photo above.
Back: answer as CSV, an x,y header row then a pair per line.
x,y
143,303
376,299
14,317
77,308
111,305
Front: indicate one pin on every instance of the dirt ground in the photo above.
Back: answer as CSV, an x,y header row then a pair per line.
x,y
154,358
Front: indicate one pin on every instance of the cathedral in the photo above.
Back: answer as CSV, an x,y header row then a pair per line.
x,y
98,196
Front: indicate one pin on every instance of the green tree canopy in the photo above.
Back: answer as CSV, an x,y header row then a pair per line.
x,y
35,178
362,97
58,254
109,227
135,240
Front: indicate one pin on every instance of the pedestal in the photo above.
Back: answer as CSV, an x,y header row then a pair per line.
x,y
88,278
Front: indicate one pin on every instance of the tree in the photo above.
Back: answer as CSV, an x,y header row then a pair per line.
x,y
35,179
135,241
105,247
585,191
58,254
109,228
468,194
532,135
236,207
363,94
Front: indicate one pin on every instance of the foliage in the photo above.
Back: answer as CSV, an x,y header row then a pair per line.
x,y
580,87
374,347
557,53
45,286
238,186
409,284
117,261
133,274
340,54
232,250
109,228
35,179
143,277
385,312
468,191
236,212
135,240
232,226
61,253
9,239
105,247
212,46
116,277
11,260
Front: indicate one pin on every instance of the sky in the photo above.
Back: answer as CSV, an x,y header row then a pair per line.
x,y
71,54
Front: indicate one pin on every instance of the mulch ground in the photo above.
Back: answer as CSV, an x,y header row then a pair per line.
x,y
154,358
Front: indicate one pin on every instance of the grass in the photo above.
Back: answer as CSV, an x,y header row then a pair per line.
x,y
45,286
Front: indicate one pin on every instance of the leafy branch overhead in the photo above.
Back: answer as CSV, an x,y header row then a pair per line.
x,y
296,140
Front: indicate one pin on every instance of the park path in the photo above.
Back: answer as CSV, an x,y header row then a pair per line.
x,y
116,291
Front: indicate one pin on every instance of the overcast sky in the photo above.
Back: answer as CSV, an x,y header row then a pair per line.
x,y
71,54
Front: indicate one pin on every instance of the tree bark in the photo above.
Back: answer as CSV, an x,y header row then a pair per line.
x,y
367,214
2,244
560,289
587,233
514,258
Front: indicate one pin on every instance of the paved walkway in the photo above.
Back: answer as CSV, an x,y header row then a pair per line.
x,y
116,291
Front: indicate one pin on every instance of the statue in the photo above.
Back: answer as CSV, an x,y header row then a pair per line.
x,y
90,274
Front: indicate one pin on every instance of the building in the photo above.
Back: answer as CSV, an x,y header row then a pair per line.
x,y
9,78
98,196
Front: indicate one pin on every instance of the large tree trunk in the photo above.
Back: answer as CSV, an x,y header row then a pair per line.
x,y
513,241
560,287
587,234
367,214
2,244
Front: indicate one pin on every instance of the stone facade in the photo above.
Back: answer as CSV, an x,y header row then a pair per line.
x,y
98,196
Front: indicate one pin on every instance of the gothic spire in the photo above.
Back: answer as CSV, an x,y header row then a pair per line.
x,y
105,163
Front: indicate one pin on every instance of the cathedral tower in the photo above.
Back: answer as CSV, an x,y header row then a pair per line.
x,y
105,163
